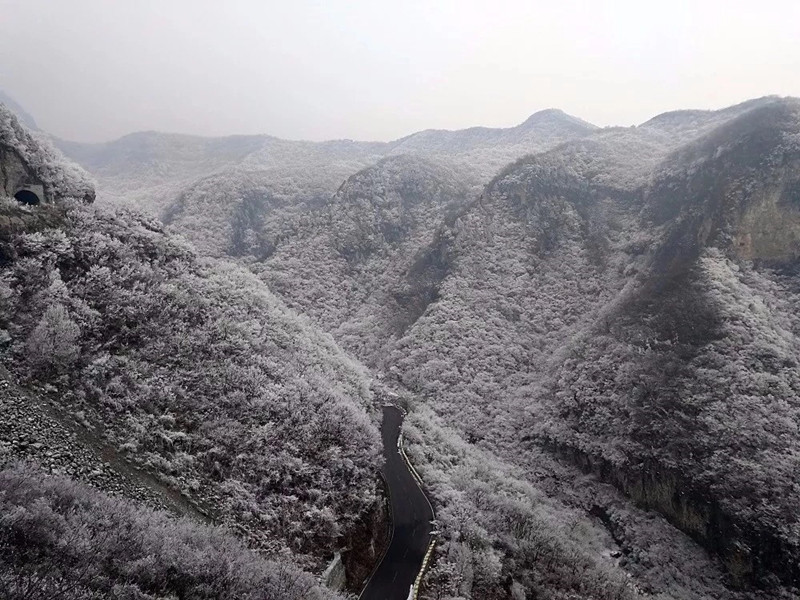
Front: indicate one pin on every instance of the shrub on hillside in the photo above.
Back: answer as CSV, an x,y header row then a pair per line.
x,y
62,540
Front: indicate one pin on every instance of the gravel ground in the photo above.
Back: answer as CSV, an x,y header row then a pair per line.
x,y
32,429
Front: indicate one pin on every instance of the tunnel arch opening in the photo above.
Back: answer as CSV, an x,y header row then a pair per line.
x,y
27,197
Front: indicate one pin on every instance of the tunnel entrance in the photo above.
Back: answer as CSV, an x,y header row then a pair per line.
x,y
27,197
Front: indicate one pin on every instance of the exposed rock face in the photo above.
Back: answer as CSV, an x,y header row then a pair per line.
x,y
38,177
367,544
16,176
28,163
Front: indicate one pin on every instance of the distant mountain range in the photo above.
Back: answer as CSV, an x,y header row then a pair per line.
x,y
151,169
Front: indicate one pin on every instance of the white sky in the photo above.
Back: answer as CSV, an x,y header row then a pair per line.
x,y
372,69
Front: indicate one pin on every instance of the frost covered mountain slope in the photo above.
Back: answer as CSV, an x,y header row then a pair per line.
x,y
709,400
362,263
540,129
537,307
523,315
516,316
598,351
28,159
617,159
148,171
191,368
485,150
645,331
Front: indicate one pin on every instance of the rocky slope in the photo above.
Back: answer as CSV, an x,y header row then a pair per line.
x,y
27,158
38,431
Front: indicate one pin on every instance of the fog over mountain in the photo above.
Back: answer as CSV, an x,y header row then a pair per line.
x,y
592,330
91,71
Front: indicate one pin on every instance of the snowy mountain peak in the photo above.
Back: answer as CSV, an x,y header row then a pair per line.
x,y
553,116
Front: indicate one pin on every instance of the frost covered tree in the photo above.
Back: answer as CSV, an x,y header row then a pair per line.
x,y
52,347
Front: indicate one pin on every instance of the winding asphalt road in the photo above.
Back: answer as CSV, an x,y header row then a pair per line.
x,y
411,521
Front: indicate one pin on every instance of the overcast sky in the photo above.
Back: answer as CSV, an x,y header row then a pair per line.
x,y
93,70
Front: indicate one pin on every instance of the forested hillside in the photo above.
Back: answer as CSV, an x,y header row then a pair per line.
x,y
527,318
644,332
191,369
195,370
689,385
361,264
150,170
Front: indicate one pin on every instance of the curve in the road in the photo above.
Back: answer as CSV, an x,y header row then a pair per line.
x,y
412,517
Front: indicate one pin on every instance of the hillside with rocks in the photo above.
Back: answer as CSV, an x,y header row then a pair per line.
x,y
174,380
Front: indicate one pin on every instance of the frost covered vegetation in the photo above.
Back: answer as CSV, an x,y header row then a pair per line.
x,y
598,349
59,539
501,536
580,312
192,369
196,371
360,263
198,184
645,333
